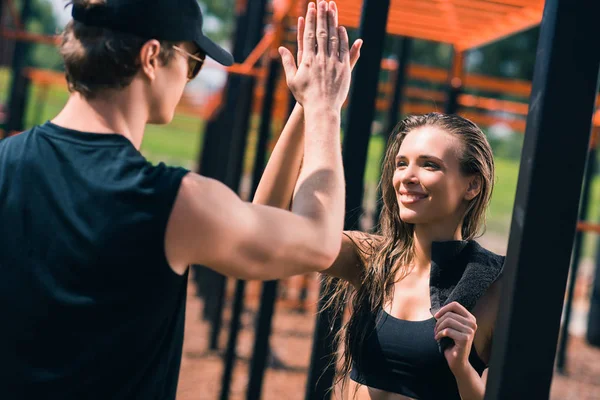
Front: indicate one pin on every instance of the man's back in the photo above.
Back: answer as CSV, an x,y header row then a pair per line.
x,y
92,308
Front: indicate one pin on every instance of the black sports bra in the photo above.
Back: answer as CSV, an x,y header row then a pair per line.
x,y
403,357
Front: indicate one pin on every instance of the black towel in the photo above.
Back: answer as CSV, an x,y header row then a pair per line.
x,y
461,271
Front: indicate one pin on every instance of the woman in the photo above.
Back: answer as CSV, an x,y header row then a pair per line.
x,y
422,292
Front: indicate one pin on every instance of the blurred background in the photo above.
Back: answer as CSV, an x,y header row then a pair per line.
x,y
508,62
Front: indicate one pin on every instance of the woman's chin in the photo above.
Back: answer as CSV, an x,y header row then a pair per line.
x,y
410,216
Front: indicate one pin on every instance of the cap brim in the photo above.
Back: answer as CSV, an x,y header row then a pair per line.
x,y
213,50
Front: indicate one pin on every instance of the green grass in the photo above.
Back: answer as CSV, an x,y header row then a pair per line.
x,y
179,143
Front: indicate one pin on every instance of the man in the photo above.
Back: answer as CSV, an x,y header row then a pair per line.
x,y
96,242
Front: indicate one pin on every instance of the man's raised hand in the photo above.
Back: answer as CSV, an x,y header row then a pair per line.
x,y
322,77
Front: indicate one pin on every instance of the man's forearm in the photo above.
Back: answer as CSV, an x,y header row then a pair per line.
x,y
321,192
276,186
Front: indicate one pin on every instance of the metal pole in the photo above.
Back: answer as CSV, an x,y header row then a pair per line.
x,y
259,167
236,312
2,45
321,372
361,108
590,171
20,83
361,113
209,283
232,143
539,249
403,49
593,326
260,351
455,82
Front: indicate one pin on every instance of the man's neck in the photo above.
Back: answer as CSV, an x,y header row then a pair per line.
x,y
113,112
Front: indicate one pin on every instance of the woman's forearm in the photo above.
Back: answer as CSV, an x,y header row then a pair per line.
x,y
276,187
470,385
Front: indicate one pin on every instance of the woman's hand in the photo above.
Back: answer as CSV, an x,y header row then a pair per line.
x,y
456,322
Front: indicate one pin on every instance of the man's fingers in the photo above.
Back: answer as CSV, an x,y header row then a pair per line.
x,y
322,31
355,52
334,40
289,66
300,39
333,7
310,28
344,46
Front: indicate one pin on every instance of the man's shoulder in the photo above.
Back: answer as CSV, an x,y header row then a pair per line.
x,y
16,138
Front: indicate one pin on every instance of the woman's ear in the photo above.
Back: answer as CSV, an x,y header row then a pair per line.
x,y
474,187
149,58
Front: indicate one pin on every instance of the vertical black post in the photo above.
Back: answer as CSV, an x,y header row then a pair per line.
x,y
259,166
455,82
260,350
264,131
2,43
539,247
321,372
403,50
231,146
361,113
209,161
209,283
20,83
361,108
234,327
590,169
593,325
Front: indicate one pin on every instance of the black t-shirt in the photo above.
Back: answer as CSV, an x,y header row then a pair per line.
x,y
89,307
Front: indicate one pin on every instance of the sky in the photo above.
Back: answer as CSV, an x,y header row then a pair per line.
x,y
59,10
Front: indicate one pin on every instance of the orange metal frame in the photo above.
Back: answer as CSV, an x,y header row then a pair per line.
x,y
463,23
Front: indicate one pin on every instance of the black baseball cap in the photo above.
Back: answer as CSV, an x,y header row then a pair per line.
x,y
171,20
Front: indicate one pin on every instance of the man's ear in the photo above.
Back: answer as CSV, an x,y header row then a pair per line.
x,y
149,58
474,188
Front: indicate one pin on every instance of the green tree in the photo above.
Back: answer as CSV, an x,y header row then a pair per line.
x,y
222,11
41,20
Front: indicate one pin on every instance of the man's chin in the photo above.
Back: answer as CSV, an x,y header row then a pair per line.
x,y
160,120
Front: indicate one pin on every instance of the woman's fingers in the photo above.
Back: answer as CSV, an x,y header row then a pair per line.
x,y
454,324
464,321
300,39
344,45
355,52
457,336
456,308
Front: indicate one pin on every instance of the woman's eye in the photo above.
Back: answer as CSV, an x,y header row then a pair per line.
x,y
431,165
400,164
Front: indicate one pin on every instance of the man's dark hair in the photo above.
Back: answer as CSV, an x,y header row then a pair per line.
x,y
97,59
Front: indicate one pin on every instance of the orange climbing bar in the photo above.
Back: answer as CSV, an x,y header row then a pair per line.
x,y
465,24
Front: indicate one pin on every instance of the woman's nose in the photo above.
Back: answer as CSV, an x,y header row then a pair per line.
x,y
410,175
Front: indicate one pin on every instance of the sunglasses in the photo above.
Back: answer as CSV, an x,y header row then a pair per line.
x,y
195,62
